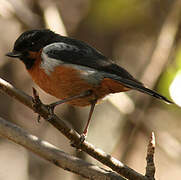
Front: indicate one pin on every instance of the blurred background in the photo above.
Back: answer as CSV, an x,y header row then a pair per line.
x,y
143,37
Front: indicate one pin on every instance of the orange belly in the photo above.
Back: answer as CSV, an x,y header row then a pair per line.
x,y
64,82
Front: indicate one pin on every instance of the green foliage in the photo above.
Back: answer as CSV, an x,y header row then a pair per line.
x,y
169,75
115,13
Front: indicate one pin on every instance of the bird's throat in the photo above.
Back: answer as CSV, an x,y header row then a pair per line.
x,y
28,62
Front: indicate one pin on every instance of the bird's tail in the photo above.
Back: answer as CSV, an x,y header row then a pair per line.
x,y
153,93
134,84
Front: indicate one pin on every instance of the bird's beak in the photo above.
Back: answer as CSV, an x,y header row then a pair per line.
x,y
14,54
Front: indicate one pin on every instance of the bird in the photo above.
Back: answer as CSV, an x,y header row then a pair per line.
x,y
73,71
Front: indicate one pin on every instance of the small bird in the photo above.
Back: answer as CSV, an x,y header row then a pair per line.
x,y
73,71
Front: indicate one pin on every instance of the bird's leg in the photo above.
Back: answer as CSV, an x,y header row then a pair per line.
x,y
51,107
84,134
82,95
36,102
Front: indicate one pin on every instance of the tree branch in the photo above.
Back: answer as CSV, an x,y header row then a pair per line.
x,y
150,168
53,154
71,134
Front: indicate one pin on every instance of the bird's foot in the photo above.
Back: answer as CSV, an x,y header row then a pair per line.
x,y
36,103
50,108
82,138
78,144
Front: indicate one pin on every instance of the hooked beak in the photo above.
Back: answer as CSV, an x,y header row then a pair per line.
x,y
14,54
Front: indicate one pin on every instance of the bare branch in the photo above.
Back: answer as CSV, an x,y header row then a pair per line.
x,y
71,134
150,168
53,154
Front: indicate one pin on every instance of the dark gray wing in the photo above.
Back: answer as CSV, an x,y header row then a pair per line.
x,y
82,54
79,53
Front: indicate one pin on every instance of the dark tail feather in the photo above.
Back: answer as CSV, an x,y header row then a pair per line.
x,y
140,87
153,93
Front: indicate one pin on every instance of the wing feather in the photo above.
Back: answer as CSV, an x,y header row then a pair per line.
x,y
85,55
77,52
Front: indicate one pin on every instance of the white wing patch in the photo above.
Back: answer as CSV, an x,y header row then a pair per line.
x,y
48,64
60,46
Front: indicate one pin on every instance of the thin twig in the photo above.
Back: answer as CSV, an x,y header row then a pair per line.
x,y
150,168
53,154
71,134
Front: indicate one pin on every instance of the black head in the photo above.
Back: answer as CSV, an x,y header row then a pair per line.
x,y
32,40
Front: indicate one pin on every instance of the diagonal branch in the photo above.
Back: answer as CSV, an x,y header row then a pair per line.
x,y
53,154
71,134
